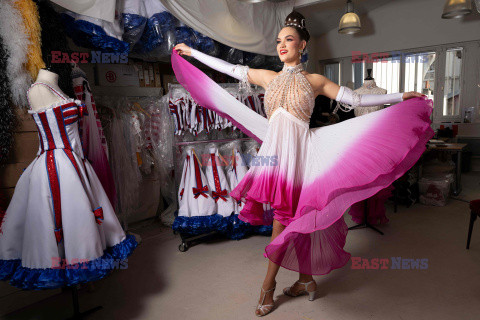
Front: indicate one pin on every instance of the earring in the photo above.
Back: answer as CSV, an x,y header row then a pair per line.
x,y
301,51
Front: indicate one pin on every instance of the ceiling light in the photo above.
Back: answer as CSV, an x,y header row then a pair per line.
x,y
350,22
456,8
258,1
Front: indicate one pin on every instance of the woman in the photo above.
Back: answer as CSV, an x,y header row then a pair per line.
x,y
318,173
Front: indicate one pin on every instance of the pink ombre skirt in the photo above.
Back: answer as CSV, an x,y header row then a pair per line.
x,y
317,174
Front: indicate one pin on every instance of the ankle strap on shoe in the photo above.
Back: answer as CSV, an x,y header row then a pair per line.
x,y
305,283
265,291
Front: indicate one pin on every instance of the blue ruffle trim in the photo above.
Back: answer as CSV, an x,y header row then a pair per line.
x,y
90,35
133,26
155,31
197,225
51,278
231,227
203,43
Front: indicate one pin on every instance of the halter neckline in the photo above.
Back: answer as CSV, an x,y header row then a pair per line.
x,y
297,68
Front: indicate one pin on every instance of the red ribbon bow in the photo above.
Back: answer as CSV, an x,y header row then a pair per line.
x,y
98,213
200,191
218,195
82,110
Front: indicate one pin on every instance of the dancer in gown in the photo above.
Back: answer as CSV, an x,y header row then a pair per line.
x,y
314,175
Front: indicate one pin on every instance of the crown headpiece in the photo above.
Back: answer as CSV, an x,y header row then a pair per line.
x,y
295,23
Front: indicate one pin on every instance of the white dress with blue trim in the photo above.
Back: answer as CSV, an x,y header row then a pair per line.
x,y
60,228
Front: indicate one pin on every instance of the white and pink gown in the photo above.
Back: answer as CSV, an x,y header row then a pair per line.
x,y
310,177
60,228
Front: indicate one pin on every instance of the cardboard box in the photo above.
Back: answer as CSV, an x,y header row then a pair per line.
x,y
10,174
157,75
151,75
141,79
117,75
25,147
25,121
146,75
8,192
168,78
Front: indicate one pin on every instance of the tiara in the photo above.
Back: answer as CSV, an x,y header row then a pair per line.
x,y
294,23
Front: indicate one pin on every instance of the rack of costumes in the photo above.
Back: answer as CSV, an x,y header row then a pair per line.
x,y
139,129
211,167
188,116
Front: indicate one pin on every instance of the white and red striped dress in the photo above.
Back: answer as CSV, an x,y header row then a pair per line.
x,y
59,212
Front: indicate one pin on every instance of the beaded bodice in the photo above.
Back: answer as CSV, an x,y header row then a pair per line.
x,y
292,91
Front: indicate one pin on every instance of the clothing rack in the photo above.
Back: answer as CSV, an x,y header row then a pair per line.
x,y
184,143
187,239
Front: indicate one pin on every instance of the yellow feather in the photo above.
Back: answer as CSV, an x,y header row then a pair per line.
x,y
31,18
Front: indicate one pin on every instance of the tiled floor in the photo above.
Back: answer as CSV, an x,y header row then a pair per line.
x,y
221,279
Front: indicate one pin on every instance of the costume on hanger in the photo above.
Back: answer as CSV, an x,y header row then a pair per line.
x,y
311,176
60,228
235,174
218,183
188,116
94,142
376,203
232,226
197,208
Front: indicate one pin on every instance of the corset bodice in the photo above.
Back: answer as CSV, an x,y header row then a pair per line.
x,y
58,126
292,91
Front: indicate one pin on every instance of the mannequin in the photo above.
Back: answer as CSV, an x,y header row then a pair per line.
x,y
40,96
369,87
60,214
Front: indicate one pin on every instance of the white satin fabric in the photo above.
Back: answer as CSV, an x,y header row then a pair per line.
x,y
244,26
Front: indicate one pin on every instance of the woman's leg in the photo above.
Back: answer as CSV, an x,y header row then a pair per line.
x,y
272,269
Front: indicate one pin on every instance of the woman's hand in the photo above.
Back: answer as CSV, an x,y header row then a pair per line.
x,y
183,49
412,94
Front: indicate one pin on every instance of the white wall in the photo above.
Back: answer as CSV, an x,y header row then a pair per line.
x,y
404,25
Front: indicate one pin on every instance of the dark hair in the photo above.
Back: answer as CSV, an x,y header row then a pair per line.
x,y
297,21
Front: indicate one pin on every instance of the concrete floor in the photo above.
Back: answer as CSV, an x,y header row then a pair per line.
x,y
221,279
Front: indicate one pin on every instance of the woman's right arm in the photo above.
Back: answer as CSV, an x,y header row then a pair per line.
x,y
243,73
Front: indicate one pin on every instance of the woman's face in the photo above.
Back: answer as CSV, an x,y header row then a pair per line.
x,y
289,45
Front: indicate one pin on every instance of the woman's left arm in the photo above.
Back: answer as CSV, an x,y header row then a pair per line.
x,y
350,99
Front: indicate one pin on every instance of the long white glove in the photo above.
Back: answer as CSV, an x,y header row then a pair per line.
x,y
347,99
236,71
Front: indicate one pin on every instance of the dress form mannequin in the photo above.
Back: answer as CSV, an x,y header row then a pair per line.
x,y
40,96
369,87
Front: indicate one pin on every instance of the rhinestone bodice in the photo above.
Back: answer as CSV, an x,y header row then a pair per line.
x,y
292,91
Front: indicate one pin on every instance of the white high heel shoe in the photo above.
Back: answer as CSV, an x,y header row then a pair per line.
x,y
265,308
311,294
